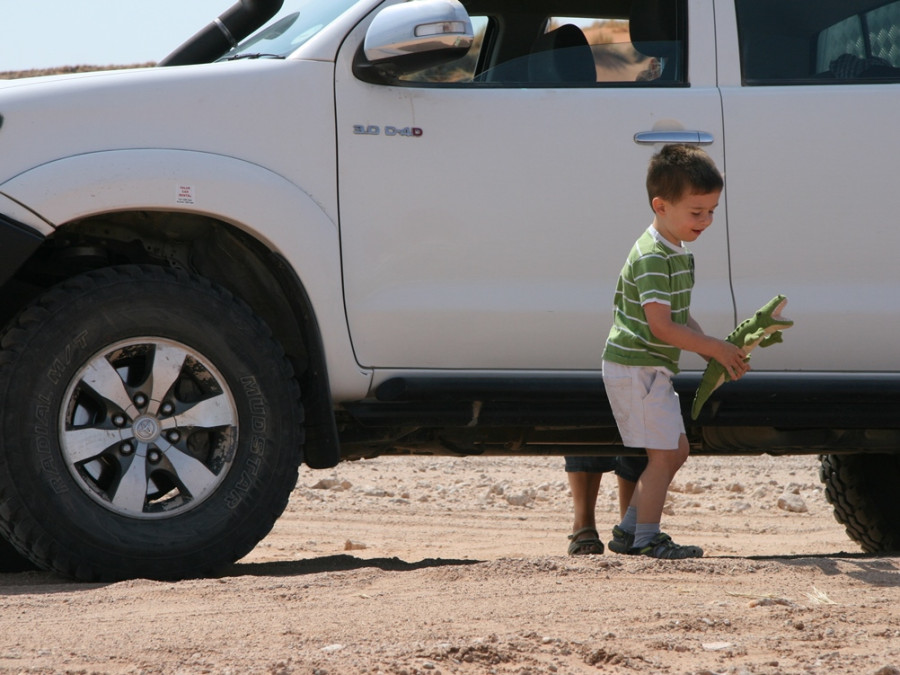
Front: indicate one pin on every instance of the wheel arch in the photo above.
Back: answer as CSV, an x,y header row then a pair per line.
x,y
247,229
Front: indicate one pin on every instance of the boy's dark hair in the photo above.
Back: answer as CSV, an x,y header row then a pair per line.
x,y
678,170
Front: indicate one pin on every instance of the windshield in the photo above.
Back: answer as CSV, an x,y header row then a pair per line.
x,y
286,35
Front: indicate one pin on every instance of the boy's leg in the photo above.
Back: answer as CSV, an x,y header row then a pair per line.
x,y
628,471
649,499
653,485
648,413
623,534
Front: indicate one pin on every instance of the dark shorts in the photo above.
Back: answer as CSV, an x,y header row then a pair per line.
x,y
629,468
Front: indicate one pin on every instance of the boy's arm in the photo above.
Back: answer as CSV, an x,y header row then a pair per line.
x,y
692,339
692,323
696,326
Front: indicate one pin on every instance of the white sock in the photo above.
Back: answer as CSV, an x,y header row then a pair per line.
x,y
644,532
629,521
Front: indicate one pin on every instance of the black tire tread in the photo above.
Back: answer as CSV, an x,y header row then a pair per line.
x,y
854,486
26,536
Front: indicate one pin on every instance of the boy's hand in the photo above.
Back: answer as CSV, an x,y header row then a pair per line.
x,y
692,338
732,358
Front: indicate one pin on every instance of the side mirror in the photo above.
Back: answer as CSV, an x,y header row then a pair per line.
x,y
415,35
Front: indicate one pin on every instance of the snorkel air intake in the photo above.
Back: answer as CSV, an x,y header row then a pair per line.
x,y
223,33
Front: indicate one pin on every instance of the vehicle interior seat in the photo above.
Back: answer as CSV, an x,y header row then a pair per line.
x,y
562,55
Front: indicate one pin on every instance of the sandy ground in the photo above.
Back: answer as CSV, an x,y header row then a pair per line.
x,y
441,565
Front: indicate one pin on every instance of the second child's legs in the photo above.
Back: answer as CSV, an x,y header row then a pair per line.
x,y
584,486
584,475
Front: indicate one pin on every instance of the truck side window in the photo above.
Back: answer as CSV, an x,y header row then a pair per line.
x,y
809,42
641,43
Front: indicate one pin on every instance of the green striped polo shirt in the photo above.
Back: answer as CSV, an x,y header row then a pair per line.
x,y
656,271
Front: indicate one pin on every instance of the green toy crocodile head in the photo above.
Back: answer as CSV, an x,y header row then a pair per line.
x,y
762,329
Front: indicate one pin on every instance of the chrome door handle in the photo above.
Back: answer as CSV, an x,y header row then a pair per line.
x,y
689,137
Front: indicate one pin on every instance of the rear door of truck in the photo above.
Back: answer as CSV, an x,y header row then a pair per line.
x,y
811,95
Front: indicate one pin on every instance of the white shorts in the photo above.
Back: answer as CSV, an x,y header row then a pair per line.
x,y
645,405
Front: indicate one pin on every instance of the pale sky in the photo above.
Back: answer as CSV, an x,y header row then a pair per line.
x,y
50,33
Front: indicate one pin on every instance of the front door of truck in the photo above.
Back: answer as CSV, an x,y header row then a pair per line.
x,y
485,217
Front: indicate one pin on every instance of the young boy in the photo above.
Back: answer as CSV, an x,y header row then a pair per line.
x,y
652,324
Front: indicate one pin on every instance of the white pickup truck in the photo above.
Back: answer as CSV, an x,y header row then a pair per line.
x,y
378,227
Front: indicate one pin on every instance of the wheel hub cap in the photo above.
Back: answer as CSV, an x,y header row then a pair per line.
x,y
122,441
146,429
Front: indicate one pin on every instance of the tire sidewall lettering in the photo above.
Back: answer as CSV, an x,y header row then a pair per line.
x,y
259,414
45,411
60,365
42,443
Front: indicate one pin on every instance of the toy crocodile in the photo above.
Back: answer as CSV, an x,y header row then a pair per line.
x,y
762,329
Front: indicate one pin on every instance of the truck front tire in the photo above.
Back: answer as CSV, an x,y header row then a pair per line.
x,y
11,560
152,427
